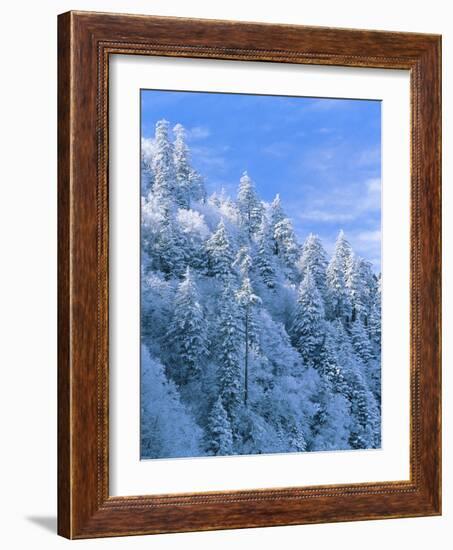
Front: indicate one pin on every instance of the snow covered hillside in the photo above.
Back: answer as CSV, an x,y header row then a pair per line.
x,y
251,342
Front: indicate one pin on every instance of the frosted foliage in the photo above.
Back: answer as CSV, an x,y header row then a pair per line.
x,y
167,428
251,343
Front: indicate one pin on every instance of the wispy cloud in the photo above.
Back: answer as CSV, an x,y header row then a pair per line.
x,y
326,216
197,132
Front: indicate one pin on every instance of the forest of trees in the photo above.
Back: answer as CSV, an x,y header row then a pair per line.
x,y
251,341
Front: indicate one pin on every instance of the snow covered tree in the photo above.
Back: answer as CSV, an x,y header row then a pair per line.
x,y
308,324
339,304
146,176
264,259
374,324
163,165
219,253
249,206
190,184
181,158
314,260
219,439
169,250
229,348
166,426
360,341
186,335
276,214
362,286
248,300
243,261
286,245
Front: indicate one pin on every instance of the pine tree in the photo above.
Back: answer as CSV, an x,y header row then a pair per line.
x,y
360,341
230,345
288,249
374,325
243,261
308,324
248,300
167,428
190,185
169,252
186,336
277,215
163,164
219,440
219,253
249,206
361,285
146,175
314,260
364,409
339,305
181,158
264,259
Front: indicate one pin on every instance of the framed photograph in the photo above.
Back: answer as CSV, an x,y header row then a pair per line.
x,y
249,275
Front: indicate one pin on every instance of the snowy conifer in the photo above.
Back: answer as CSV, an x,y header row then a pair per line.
x,y
219,253
186,337
308,324
249,206
169,251
182,167
313,259
264,259
360,341
247,299
339,304
163,164
219,439
286,244
229,350
243,261
190,184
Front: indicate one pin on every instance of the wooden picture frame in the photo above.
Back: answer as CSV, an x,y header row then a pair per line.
x,y
85,42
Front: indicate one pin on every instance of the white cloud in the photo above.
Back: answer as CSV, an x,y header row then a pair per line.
x,y
326,216
370,236
197,132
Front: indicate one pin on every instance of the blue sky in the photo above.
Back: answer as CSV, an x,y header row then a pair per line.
x,y
322,155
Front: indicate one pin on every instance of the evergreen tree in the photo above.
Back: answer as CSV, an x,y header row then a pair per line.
x,y
219,434
361,285
219,253
230,345
286,244
247,299
165,421
314,260
190,185
169,252
339,304
163,164
276,215
374,325
146,175
249,206
243,261
308,324
181,157
186,336
360,341
264,259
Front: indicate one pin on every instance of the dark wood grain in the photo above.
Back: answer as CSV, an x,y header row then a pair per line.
x,y
85,42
